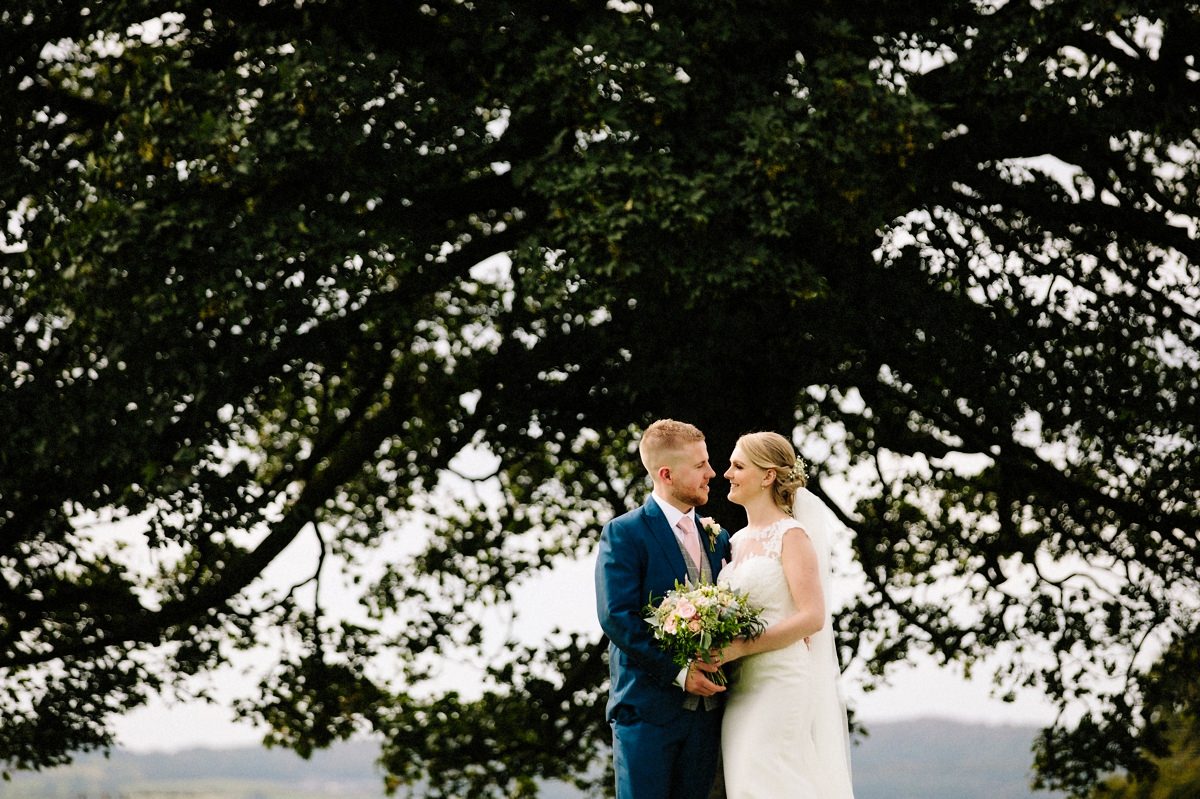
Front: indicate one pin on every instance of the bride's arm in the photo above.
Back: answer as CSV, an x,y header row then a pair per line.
x,y
799,559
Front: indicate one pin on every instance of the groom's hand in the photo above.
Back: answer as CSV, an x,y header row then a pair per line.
x,y
698,683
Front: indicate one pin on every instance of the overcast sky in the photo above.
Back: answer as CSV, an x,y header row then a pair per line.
x,y
918,691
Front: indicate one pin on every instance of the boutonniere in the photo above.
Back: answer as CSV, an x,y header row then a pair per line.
x,y
713,529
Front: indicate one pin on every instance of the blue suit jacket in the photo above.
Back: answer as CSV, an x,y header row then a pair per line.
x,y
639,562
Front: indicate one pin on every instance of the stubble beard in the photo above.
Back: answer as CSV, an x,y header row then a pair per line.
x,y
695,498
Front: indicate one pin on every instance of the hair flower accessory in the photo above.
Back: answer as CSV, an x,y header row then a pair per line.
x,y
799,471
713,529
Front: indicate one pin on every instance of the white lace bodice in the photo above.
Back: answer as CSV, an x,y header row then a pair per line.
x,y
757,569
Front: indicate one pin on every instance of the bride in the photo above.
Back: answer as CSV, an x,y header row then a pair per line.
x,y
784,732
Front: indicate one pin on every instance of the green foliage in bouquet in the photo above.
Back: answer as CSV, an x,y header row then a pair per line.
x,y
693,620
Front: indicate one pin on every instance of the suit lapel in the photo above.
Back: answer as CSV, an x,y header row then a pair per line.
x,y
712,551
661,533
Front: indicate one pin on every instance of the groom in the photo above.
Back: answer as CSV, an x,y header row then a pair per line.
x,y
666,720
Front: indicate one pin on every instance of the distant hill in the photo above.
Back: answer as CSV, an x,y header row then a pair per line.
x,y
923,759
936,759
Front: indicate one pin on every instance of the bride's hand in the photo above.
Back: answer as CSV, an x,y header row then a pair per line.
x,y
734,651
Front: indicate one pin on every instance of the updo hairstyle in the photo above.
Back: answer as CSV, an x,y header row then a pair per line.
x,y
772,451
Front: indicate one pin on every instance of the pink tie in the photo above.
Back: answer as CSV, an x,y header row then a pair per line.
x,y
691,539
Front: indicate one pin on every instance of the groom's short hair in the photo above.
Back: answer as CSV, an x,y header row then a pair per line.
x,y
665,435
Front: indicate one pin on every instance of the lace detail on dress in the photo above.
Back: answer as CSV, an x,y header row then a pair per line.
x,y
767,542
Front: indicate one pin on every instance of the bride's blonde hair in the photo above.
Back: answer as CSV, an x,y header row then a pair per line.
x,y
772,451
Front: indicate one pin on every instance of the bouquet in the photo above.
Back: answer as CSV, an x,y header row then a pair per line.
x,y
691,620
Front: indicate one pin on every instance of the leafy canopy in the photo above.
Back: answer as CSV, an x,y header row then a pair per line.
x,y
291,271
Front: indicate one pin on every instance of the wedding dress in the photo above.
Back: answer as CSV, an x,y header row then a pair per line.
x,y
785,735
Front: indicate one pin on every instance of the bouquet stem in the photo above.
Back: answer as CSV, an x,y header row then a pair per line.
x,y
717,676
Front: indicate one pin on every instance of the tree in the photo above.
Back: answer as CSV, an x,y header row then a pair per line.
x,y
1176,774
271,269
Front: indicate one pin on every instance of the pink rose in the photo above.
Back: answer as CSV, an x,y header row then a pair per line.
x,y
694,625
685,609
669,625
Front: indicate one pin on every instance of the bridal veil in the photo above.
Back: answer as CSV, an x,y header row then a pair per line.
x,y
831,734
